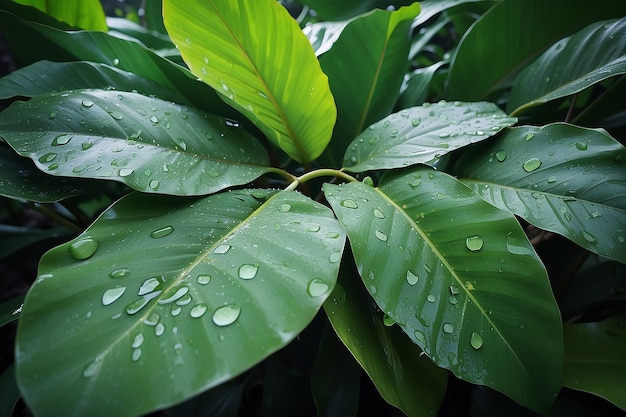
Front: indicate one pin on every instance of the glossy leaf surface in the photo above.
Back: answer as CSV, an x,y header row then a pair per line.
x,y
423,134
459,277
248,52
86,14
149,144
366,80
9,393
211,287
404,376
498,59
599,51
561,178
594,359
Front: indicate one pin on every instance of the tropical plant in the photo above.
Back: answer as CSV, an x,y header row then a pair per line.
x,y
439,187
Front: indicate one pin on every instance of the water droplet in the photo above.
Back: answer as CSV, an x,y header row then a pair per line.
x,y
333,235
49,157
136,305
448,328
112,295
248,271
62,139
198,310
119,273
226,315
284,208
116,62
203,279
152,319
349,203
222,249
87,103
162,232
415,122
52,115
501,156
531,164
411,278
136,354
551,179
431,298
86,145
419,337
588,236
529,136
117,115
388,321
83,248
159,329
453,290
368,181
581,146
335,257
53,166
428,268
317,287
476,341
125,172
154,119
378,213
175,310
92,368
174,294
154,184
138,341
381,236
515,247
440,196
313,227
474,243
151,285
620,239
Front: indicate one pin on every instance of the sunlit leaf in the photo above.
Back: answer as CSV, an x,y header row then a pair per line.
x,y
86,14
562,178
255,55
211,287
459,277
149,144
423,134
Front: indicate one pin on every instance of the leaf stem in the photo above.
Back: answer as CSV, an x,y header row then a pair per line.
x,y
319,173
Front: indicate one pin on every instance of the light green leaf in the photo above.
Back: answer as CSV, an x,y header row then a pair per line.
x,y
47,76
594,359
404,376
599,51
211,287
149,144
423,134
562,178
86,14
19,179
255,55
366,80
323,35
459,277
524,30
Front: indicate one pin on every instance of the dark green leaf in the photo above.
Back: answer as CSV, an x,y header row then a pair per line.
x,y
599,51
594,359
211,287
561,178
126,28
147,143
459,277
9,393
247,51
10,310
423,134
15,238
415,88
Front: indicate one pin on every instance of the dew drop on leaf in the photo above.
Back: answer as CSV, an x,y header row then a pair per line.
x,y
136,305
419,337
119,273
87,103
516,248
476,341
453,290
174,294
154,184
317,287
112,295
222,249
531,164
49,157
529,136
226,315
388,321
349,203
381,236
378,213
248,271
151,285
284,208
411,278
125,172
162,232
431,298
448,328
474,243
62,139
92,368
588,236
136,354
198,310
83,248
138,340
551,179
581,146
501,156
203,279
184,300
159,329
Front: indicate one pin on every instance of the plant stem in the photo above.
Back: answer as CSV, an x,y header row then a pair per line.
x,y
319,173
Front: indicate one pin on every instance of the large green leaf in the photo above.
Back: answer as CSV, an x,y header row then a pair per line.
x,y
594,359
423,134
87,14
562,178
599,51
366,80
32,42
15,238
147,143
512,34
9,394
249,52
183,295
401,373
459,277
47,76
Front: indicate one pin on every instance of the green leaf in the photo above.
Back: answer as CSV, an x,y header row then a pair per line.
x,y
366,80
9,394
339,10
10,310
206,292
459,277
33,42
524,30
15,238
423,134
126,28
401,373
594,359
562,178
149,144
47,76
86,14
247,51
19,179
599,51
416,85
